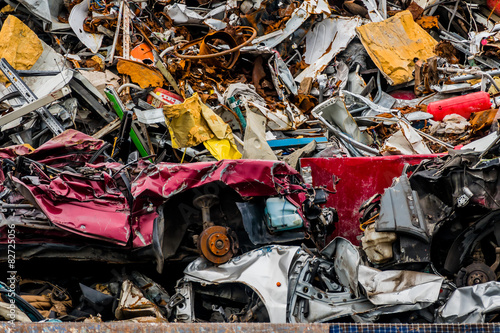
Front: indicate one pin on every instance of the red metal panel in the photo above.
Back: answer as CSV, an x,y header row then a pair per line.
x,y
357,179
93,208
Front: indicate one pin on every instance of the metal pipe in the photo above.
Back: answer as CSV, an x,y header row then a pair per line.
x,y
431,138
117,32
7,206
477,75
128,85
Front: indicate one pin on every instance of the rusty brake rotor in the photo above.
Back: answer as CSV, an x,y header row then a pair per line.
x,y
216,244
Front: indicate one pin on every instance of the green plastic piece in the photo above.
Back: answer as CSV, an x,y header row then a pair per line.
x,y
117,106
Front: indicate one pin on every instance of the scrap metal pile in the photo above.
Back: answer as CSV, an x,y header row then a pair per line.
x,y
153,148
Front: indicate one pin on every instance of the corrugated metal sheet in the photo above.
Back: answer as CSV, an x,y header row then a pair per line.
x,y
239,328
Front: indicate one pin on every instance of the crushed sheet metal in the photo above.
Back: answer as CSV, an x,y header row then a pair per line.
x,y
101,79
46,62
294,158
222,149
278,120
247,177
483,143
346,262
351,185
471,304
94,208
335,111
401,211
394,43
76,19
406,141
256,147
399,287
47,10
283,73
133,304
53,83
180,14
373,13
149,117
55,149
340,31
317,7
299,16
260,269
12,152
245,92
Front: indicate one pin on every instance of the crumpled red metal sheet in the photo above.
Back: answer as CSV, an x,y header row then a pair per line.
x,y
70,146
96,208
247,177
12,152
93,208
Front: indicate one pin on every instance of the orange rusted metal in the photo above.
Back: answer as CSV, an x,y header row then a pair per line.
x,y
215,244
207,52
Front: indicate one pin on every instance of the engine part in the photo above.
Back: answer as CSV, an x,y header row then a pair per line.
x,y
205,202
216,243
315,285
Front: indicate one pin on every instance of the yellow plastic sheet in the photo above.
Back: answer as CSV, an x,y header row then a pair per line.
x,y
18,45
193,122
393,44
224,149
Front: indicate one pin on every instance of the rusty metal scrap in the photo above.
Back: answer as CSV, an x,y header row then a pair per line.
x,y
207,51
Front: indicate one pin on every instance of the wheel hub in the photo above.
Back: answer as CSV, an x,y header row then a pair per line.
x,y
216,244
475,273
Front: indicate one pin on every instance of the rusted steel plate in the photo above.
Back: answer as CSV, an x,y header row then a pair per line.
x,y
159,328
254,327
